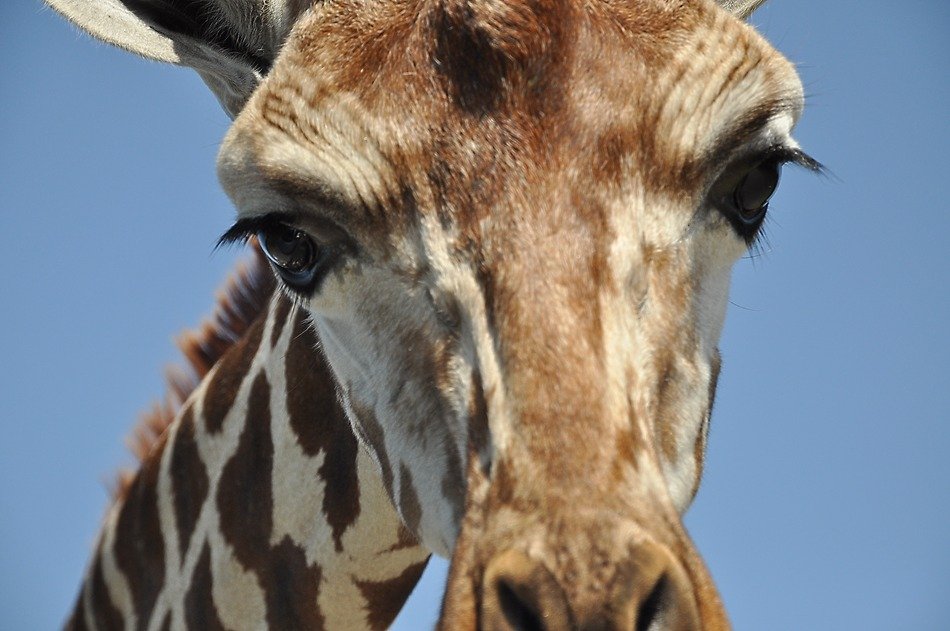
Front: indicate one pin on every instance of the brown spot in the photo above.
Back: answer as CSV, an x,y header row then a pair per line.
x,y
241,302
373,434
311,390
281,311
485,278
292,588
245,504
453,483
404,539
491,50
189,480
474,71
408,500
503,483
667,398
384,599
320,424
230,373
201,614
77,621
244,497
104,611
478,433
139,546
626,453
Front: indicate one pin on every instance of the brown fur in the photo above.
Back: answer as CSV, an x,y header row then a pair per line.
x,y
554,155
242,299
539,135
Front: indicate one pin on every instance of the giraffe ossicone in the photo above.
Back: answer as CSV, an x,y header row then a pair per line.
x,y
502,235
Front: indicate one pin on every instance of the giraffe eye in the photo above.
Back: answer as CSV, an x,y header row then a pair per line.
x,y
293,254
743,194
750,199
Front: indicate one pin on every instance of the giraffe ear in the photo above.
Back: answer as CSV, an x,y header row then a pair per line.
x,y
741,8
231,43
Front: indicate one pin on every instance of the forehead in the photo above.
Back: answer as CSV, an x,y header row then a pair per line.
x,y
369,101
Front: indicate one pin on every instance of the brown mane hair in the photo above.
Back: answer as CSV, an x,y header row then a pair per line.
x,y
240,301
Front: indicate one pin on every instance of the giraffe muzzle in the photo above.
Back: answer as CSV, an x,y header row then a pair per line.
x,y
649,590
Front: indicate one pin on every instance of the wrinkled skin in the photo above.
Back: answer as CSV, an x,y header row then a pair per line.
x,y
525,276
512,225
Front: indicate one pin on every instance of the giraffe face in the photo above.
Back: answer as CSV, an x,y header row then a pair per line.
x,y
514,227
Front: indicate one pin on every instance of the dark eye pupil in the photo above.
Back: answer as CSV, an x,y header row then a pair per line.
x,y
289,248
755,189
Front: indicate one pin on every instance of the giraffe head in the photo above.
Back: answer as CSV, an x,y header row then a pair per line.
x,y
513,225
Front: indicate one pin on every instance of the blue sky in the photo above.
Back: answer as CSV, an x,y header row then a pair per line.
x,y
826,500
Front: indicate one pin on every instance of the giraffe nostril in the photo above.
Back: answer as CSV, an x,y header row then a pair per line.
x,y
520,594
655,593
519,612
650,610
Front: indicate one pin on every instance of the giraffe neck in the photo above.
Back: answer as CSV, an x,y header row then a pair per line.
x,y
256,508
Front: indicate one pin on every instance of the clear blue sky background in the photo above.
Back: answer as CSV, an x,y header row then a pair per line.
x,y
826,502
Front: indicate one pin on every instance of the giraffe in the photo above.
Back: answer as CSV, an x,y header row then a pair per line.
x,y
250,469
503,233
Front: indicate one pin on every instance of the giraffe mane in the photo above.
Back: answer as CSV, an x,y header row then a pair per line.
x,y
242,298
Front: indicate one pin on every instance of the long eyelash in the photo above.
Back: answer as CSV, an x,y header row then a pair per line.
x,y
788,155
759,245
248,227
